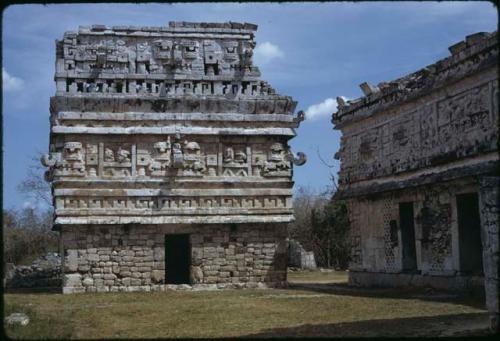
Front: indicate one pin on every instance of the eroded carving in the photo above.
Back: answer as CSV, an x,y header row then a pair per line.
x,y
117,162
193,163
162,159
235,163
277,163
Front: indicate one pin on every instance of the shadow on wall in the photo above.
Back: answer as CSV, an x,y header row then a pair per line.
x,y
473,299
441,325
277,269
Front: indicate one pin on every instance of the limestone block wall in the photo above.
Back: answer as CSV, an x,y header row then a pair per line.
x,y
376,244
132,257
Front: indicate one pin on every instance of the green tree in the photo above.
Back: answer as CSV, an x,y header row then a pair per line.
x,y
321,225
27,232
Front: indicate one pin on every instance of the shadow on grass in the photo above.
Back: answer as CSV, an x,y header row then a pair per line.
x,y
37,290
475,299
473,324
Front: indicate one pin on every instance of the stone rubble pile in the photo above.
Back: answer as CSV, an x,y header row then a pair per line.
x,y
45,271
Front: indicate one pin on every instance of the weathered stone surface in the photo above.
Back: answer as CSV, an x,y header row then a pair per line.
x,y
88,281
423,141
453,120
71,261
489,209
73,280
215,264
196,275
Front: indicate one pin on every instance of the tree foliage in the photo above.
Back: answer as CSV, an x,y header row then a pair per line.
x,y
321,225
27,232
329,230
34,186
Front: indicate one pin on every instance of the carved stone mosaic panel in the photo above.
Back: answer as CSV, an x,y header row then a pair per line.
x,y
452,128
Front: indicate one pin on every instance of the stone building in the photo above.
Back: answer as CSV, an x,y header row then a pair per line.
x,y
419,170
169,159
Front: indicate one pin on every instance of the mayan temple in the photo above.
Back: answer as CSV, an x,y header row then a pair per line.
x,y
169,159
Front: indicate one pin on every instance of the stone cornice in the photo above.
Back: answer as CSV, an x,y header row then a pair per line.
x,y
208,105
173,192
219,120
186,182
174,129
232,28
219,219
180,116
375,187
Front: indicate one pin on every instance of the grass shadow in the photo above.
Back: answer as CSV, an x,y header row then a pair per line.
x,y
34,290
473,324
475,299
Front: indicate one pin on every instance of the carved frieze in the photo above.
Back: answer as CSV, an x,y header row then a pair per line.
x,y
277,163
167,203
73,162
117,161
194,160
174,156
92,159
174,56
448,129
68,162
235,161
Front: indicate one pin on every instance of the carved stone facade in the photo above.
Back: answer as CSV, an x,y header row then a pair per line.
x,y
414,155
159,131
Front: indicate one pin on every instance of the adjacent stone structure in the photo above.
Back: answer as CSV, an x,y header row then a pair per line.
x,y
419,169
298,257
169,159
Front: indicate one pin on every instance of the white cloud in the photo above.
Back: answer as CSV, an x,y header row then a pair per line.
x,y
11,83
266,52
325,108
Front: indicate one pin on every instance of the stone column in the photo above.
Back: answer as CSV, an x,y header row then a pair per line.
x,y
488,207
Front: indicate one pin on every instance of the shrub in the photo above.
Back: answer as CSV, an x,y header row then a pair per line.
x,y
27,235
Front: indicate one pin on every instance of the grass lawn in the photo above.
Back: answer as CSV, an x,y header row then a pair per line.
x,y
315,304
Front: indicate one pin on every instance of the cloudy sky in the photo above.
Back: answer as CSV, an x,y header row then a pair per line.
x,y
313,52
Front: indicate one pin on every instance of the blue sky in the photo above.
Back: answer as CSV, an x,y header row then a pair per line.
x,y
313,52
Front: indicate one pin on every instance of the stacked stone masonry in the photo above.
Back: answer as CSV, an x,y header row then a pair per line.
x,y
168,130
131,258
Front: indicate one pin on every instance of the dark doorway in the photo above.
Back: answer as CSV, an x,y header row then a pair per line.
x,y
469,234
408,236
177,258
